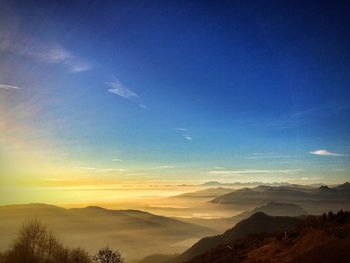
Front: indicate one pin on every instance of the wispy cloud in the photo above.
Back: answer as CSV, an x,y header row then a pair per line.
x,y
165,166
323,152
3,86
252,171
60,55
118,88
85,168
299,117
257,156
184,133
45,52
106,170
117,160
143,106
55,54
99,170
319,111
137,174
181,129
78,65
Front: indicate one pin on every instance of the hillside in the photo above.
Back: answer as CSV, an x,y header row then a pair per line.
x,y
257,223
271,208
325,239
94,227
314,200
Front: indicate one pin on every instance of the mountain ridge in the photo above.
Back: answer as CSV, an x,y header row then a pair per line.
x,y
323,238
313,200
257,223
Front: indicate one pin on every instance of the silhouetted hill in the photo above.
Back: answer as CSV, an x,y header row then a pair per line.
x,y
345,186
280,209
323,239
257,223
314,200
272,209
93,227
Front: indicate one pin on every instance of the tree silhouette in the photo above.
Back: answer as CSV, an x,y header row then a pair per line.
x,y
35,244
106,255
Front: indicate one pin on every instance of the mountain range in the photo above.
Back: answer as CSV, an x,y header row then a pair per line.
x,y
270,208
206,193
314,200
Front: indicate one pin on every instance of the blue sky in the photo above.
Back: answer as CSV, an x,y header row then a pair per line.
x,y
185,90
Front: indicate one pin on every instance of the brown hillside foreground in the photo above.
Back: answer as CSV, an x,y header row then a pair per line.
x,y
311,245
323,239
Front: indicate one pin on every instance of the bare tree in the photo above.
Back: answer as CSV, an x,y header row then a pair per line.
x,y
35,244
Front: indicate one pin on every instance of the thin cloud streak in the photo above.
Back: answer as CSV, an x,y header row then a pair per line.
x,y
253,171
257,156
298,118
181,129
184,133
118,88
47,53
100,170
323,152
3,86
166,166
59,55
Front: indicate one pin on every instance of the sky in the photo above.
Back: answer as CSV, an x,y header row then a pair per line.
x,y
140,93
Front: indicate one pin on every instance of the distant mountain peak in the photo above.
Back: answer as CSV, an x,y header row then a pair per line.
x,y
212,183
258,215
346,184
276,203
324,188
280,209
95,207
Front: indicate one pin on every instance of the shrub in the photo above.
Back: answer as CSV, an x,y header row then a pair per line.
x,y
106,255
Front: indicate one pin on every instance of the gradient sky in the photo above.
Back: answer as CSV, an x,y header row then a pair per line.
x,y
166,92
